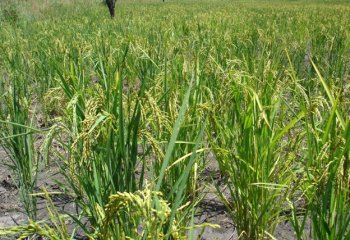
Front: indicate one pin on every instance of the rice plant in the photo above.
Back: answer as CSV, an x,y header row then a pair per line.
x,y
136,103
17,132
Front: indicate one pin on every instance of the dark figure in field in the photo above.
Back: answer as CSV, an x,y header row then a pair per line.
x,y
111,7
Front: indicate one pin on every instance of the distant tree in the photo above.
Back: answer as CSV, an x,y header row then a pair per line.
x,y
111,7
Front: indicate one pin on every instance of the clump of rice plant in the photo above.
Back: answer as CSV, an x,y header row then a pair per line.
x,y
248,145
17,135
325,186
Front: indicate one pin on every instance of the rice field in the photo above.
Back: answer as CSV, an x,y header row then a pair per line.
x,y
137,120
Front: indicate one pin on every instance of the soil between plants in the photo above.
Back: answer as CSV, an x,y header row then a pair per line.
x,y
211,210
